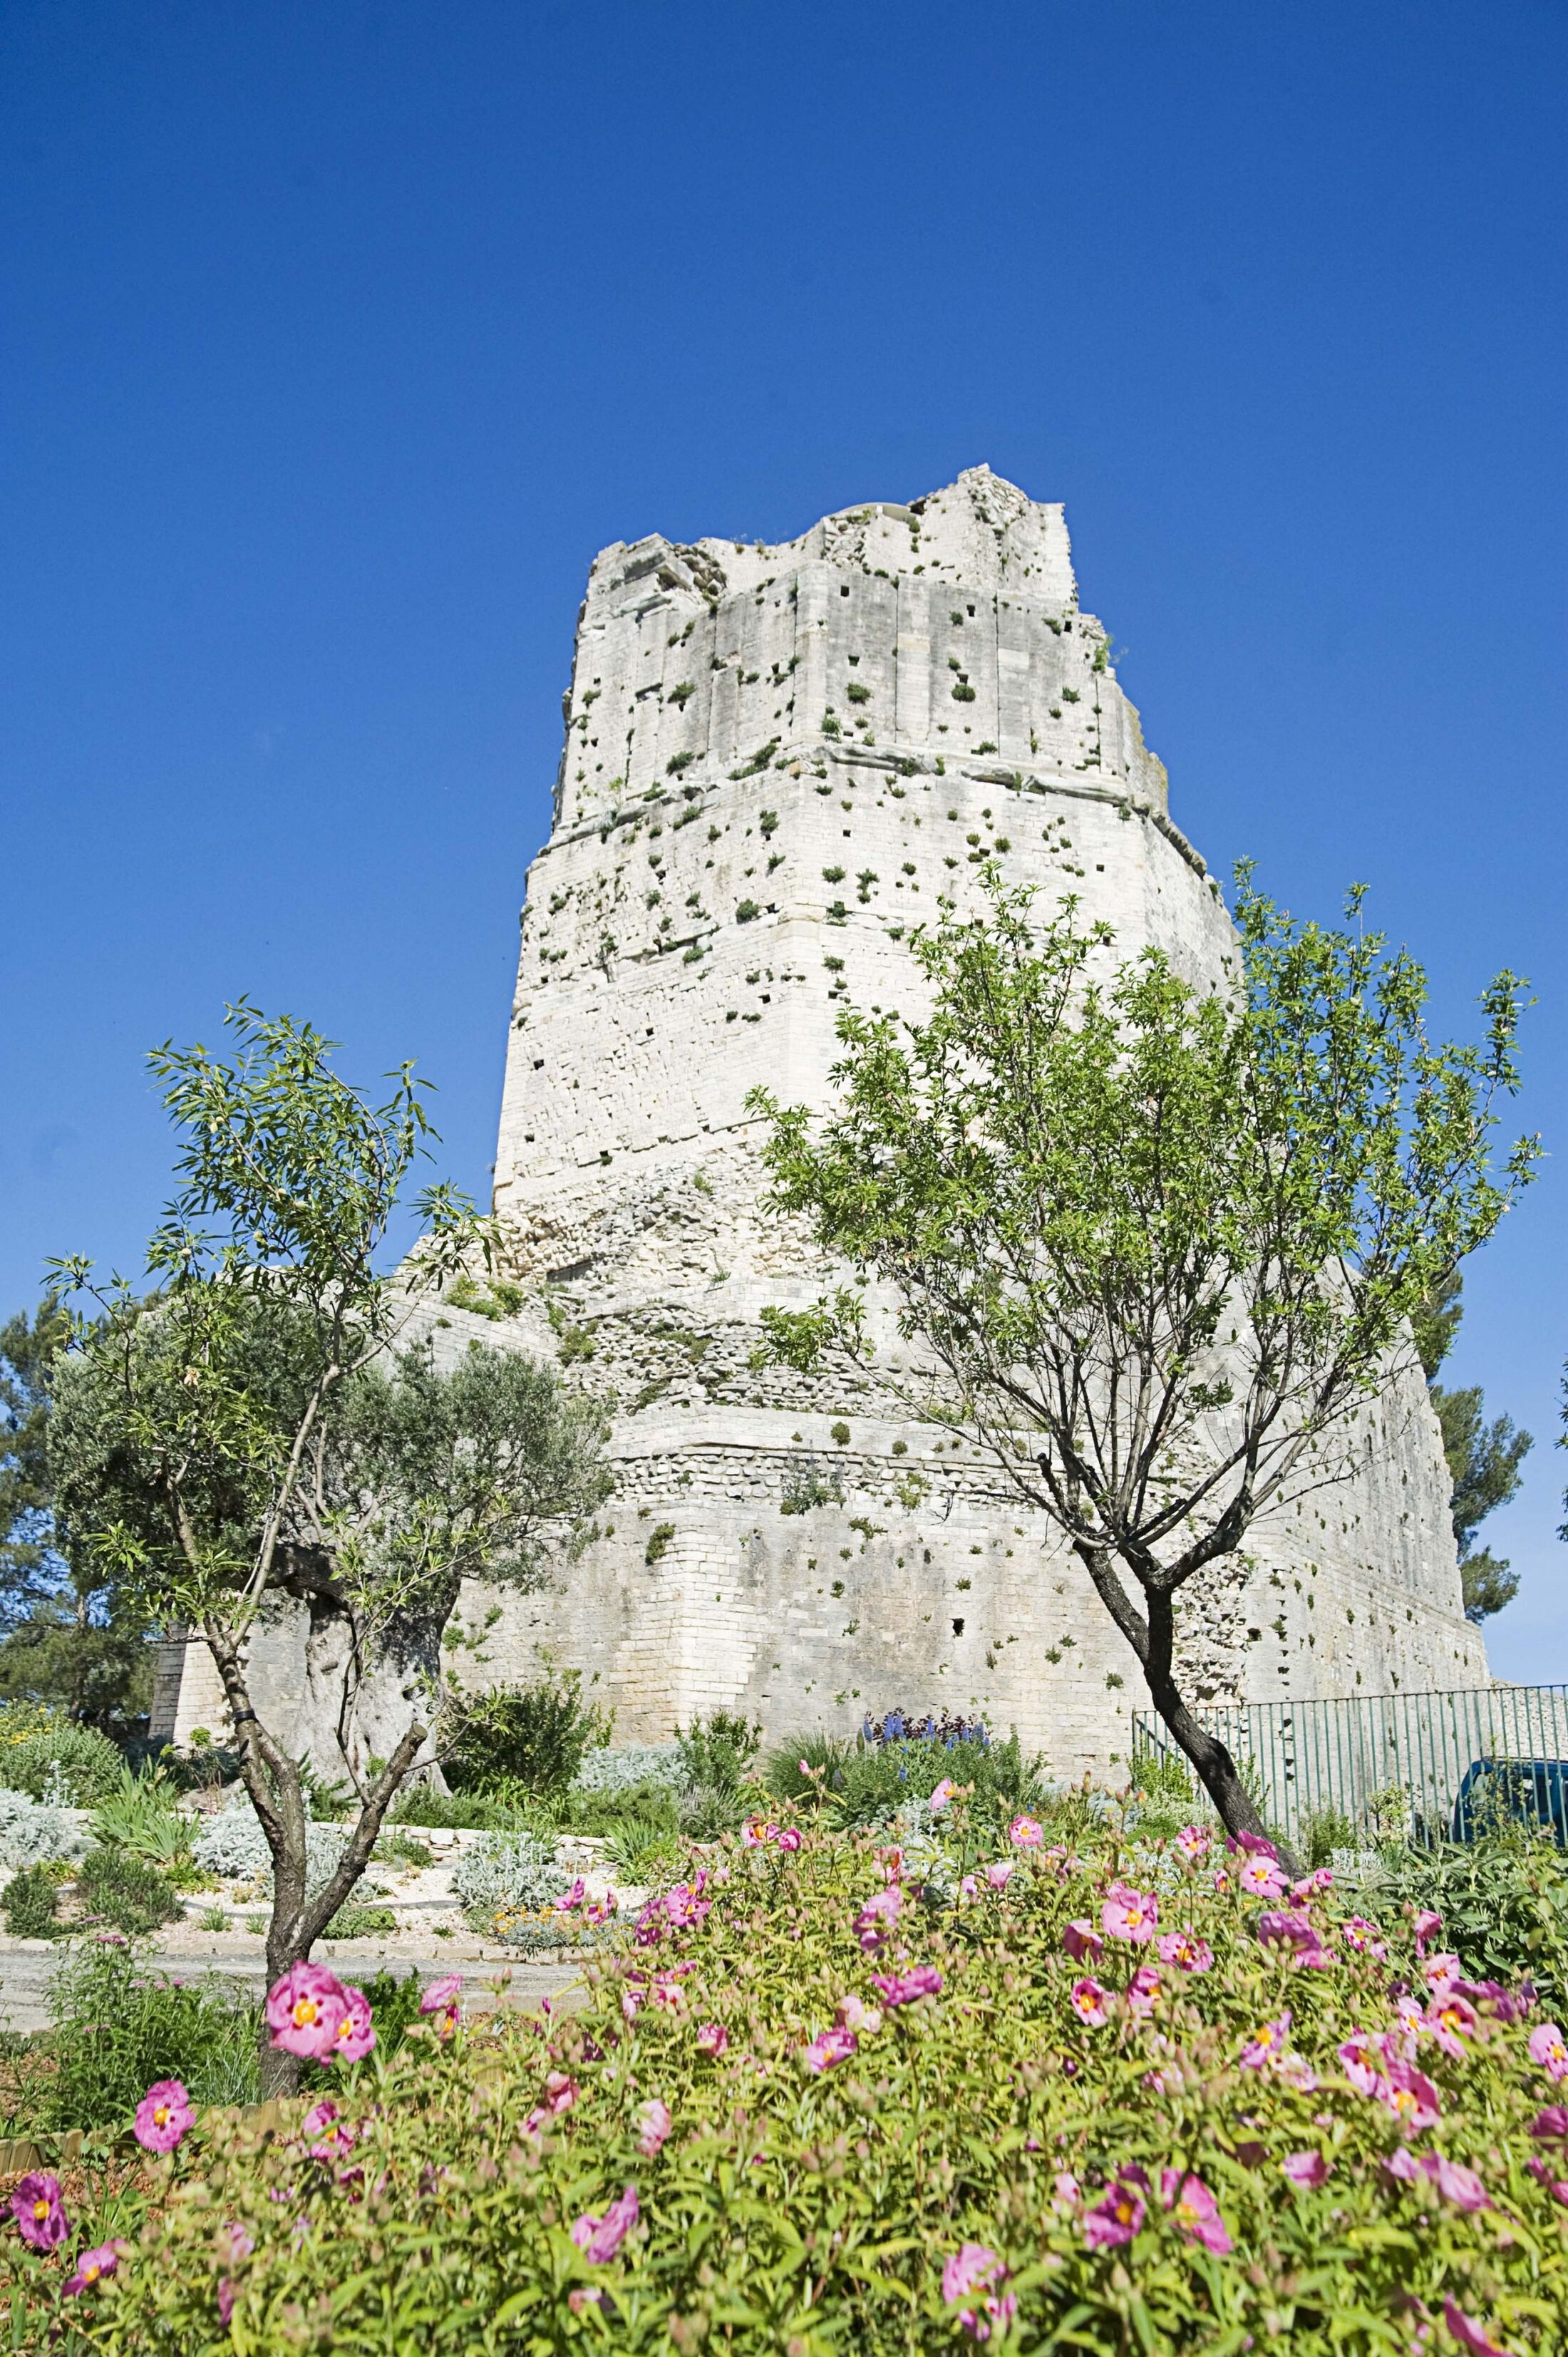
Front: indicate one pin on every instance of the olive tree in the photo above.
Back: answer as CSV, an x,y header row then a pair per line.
x,y
1156,1243
256,1427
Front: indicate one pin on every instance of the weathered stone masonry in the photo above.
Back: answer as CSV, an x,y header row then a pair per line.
x,y
777,760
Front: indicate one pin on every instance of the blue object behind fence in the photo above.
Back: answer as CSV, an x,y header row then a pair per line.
x,y
1534,1792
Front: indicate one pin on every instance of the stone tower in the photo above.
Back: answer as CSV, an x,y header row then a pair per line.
x,y
777,760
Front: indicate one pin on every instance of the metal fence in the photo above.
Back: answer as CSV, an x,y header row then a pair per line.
x,y
1419,1767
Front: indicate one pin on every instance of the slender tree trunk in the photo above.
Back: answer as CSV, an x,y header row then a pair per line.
x,y
1154,1641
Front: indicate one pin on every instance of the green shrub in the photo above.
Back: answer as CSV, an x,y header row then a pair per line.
x,y
30,1904
139,1815
537,1736
819,2215
61,1761
719,1751
451,1811
1503,1900
113,1887
117,2026
360,1923
601,1813
826,1756
881,1779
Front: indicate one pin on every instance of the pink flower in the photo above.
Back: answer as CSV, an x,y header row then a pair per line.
x,y
1551,2126
903,1988
1306,2169
757,1833
1362,1937
655,2121
1557,2186
1261,1877
1082,1941
971,2268
228,2293
1266,2044
877,1917
1363,2064
999,1873
1186,1951
853,2013
1461,2186
356,2034
599,2239
1411,2096
789,1839
1193,1843
1469,2333
830,2047
711,2038
1196,2213
572,1898
1025,1832
92,2267
1130,1914
1427,1925
38,2211
1280,1928
235,2243
941,1796
163,2116
669,1994
1440,1973
1548,2049
303,2010
318,2118
1143,1990
1451,2020
442,1999
1088,2001
560,2094
1116,2217
1403,2166
1297,2072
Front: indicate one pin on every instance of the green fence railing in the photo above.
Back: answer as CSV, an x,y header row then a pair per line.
x,y
1418,1766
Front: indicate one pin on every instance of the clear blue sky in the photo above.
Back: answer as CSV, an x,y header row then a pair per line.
x,y
338,338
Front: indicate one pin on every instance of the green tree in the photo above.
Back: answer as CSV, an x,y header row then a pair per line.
x,y
1483,1459
1158,1244
32,1567
251,1429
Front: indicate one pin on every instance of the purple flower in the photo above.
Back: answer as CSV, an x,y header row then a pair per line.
x,y
305,2010
1450,2018
1196,2213
1306,2169
1087,1999
441,1999
164,2115
1186,1951
1362,1937
1410,2095
655,2121
38,2211
829,2047
355,2033
91,2268
971,2268
1082,1941
1548,2049
1363,2064
877,1917
1117,2216
1551,2126
1458,2185
903,1988
1267,2043
1469,2333
1281,1928
1425,1924
599,2239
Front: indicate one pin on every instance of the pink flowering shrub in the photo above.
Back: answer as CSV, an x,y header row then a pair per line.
x,y
1161,2100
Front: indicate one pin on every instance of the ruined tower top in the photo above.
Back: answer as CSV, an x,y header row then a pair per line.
x,y
947,629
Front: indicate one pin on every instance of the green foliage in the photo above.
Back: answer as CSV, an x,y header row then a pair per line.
x,y
819,2219
117,2026
61,1758
140,1817
30,1903
879,1780
1483,1460
1503,1900
113,1887
30,1565
360,1923
1159,1242
537,1736
826,1759
450,1812
1325,1831
718,1751
659,1539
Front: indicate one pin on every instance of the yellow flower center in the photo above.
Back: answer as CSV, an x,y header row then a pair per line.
x,y
160,2117
305,2012
41,2209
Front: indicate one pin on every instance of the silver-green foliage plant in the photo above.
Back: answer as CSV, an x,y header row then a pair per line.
x,y
1158,1243
232,1847
32,1833
604,1773
507,1875
251,1431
